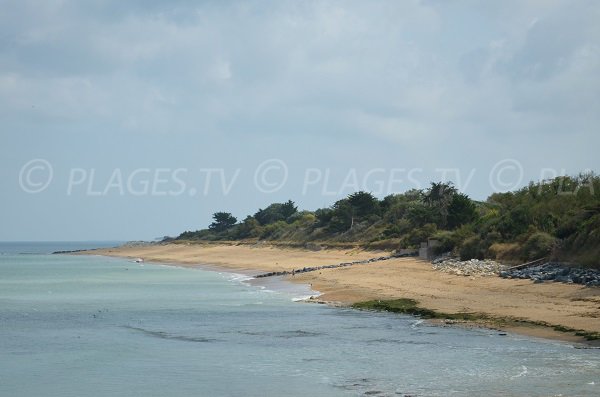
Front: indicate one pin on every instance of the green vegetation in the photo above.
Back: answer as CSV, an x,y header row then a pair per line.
x,y
558,218
222,222
402,306
410,306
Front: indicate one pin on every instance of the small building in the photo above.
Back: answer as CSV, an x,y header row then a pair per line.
x,y
426,250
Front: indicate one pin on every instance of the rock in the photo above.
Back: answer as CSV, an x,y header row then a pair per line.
x,y
557,272
473,267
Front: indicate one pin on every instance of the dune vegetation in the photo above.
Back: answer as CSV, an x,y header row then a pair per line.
x,y
557,218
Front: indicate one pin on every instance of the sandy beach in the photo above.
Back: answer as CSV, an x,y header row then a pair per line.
x,y
557,304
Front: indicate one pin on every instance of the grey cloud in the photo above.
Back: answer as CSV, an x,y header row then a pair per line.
x,y
413,83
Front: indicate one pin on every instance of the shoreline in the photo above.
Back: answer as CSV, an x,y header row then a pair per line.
x,y
549,310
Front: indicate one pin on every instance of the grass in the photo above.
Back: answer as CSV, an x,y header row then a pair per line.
x,y
411,307
587,335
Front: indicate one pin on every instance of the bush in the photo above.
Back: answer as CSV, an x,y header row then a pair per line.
x,y
274,231
276,212
505,251
538,245
471,249
323,216
303,218
397,229
447,242
418,235
249,228
461,210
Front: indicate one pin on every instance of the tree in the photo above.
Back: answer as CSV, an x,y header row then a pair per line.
x,y
460,211
419,214
342,216
222,221
356,207
363,204
249,227
288,209
276,212
439,196
324,216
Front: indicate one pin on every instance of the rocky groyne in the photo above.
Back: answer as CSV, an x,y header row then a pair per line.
x,y
344,264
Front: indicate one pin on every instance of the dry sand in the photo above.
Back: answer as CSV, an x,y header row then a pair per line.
x,y
242,258
571,306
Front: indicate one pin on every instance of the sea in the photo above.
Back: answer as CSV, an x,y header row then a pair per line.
x,y
98,326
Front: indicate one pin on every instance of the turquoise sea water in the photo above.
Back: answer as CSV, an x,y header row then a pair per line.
x,y
95,326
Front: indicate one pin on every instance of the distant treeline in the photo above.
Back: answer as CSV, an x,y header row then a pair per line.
x,y
558,218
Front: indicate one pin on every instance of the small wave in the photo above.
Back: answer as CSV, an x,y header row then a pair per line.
x,y
298,334
416,323
237,277
165,335
520,374
302,298
355,384
310,360
252,333
398,341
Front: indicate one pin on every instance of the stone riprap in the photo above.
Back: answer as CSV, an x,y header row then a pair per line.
x,y
473,267
556,272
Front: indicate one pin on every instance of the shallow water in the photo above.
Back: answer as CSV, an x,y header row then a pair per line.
x,y
95,326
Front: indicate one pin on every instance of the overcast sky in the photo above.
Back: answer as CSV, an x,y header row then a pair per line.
x,y
138,119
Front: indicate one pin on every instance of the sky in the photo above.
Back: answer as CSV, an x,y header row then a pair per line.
x,y
139,119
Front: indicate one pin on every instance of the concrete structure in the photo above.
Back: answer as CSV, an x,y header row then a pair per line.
x,y
426,250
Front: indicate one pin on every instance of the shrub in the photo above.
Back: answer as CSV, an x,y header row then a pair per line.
x,y
538,245
461,210
471,249
274,231
247,229
276,212
398,229
505,251
303,218
417,235
447,241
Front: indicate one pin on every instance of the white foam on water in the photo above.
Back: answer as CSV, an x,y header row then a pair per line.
x,y
520,374
237,277
302,298
416,323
